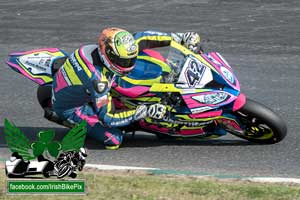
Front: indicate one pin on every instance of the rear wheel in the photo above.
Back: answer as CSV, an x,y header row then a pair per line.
x,y
44,95
259,124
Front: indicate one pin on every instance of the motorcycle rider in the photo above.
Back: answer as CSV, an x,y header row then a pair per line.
x,y
81,87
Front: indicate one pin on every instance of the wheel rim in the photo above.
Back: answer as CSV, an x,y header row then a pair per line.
x,y
260,131
255,128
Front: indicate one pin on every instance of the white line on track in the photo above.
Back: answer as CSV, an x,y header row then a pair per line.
x,y
252,179
273,180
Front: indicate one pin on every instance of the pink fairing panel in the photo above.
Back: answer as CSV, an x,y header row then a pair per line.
x,y
132,92
52,50
239,102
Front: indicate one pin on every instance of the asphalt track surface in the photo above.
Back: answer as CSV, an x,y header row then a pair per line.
x,y
259,38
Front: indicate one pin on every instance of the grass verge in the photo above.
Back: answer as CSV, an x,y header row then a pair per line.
x,y
138,185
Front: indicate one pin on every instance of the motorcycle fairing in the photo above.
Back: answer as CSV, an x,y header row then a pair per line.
x,y
37,65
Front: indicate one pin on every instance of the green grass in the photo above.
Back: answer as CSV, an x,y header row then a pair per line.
x,y
110,185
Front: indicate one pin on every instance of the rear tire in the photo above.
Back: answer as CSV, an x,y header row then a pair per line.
x,y
44,95
260,124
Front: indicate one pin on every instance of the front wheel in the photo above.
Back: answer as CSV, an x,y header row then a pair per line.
x,y
259,124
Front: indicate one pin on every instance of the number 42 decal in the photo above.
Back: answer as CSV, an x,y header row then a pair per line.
x,y
194,73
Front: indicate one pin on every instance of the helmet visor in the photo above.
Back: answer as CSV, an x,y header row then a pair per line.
x,y
122,62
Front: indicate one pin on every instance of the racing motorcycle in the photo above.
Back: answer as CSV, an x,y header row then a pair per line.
x,y
201,93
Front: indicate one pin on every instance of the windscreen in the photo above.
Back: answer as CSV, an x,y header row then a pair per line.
x,y
186,70
176,61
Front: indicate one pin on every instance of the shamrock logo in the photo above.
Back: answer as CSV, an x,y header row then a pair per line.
x,y
18,142
45,142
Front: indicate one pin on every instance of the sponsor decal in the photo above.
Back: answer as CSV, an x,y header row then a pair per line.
x,y
227,74
121,122
187,123
129,43
37,63
74,62
132,48
64,74
212,98
200,109
126,39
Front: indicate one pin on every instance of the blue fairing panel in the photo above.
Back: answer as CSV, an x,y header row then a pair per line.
x,y
145,70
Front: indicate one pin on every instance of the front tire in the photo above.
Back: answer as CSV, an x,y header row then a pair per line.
x,y
260,124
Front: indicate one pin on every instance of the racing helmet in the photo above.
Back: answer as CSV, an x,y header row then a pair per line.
x,y
118,50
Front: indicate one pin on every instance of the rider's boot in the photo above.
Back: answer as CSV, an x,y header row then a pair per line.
x,y
113,140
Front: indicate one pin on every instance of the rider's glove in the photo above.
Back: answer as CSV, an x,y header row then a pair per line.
x,y
190,40
140,112
157,111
